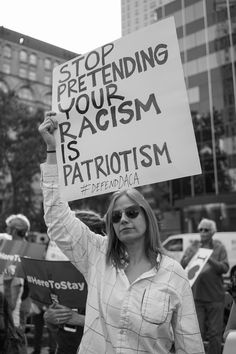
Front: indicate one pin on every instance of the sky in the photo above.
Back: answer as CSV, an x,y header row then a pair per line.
x,y
76,25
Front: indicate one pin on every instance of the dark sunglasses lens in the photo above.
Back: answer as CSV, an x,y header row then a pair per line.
x,y
132,212
204,230
116,216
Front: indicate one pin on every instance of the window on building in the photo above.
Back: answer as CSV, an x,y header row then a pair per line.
x,y
32,75
194,95
23,56
153,5
33,59
23,72
47,64
198,10
3,87
48,99
178,18
56,63
25,94
190,13
47,80
6,68
7,51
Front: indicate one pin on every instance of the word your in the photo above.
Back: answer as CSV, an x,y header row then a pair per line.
x,y
63,285
116,163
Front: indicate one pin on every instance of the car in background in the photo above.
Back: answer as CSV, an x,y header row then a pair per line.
x,y
176,245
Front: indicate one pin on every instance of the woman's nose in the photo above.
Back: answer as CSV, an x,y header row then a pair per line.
x,y
123,218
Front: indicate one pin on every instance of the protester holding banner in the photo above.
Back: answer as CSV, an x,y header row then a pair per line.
x,y
139,299
15,288
208,289
69,337
231,323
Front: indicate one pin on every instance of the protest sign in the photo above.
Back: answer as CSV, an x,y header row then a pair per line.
x,y
10,252
196,264
124,118
56,281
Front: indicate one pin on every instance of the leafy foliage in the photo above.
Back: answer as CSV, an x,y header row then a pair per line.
x,y
21,151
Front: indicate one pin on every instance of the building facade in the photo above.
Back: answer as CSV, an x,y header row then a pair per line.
x,y
206,31
26,66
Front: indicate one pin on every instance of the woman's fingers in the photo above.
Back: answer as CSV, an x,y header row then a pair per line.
x,y
47,128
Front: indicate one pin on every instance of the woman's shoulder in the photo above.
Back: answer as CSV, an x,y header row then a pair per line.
x,y
173,267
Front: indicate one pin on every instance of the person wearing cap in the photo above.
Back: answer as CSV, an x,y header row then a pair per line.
x,y
208,289
15,288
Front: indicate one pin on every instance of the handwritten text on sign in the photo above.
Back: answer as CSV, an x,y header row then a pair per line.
x,y
124,116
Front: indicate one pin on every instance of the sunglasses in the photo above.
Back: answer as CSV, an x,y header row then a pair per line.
x,y
204,230
131,212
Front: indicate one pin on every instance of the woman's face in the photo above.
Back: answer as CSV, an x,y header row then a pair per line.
x,y
128,220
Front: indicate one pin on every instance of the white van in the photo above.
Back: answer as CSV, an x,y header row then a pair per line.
x,y
177,244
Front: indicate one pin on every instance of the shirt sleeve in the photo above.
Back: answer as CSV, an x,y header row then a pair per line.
x,y
185,323
73,237
219,259
188,254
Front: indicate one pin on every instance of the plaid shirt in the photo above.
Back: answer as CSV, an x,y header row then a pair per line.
x,y
147,316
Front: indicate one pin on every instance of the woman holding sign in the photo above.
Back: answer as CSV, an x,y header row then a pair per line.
x,y
139,300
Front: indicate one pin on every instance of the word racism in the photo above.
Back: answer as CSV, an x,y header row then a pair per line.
x,y
98,72
61,285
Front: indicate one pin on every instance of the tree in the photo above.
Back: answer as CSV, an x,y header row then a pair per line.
x,y
21,151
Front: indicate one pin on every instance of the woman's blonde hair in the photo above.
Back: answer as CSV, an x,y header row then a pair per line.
x,y
116,250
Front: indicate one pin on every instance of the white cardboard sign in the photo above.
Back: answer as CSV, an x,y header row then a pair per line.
x,y
124,115
196,264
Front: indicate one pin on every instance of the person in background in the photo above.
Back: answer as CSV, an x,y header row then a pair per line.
x,y
139,300
68,340
39,324
15,289
231,323
208,289
3,236
37,313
